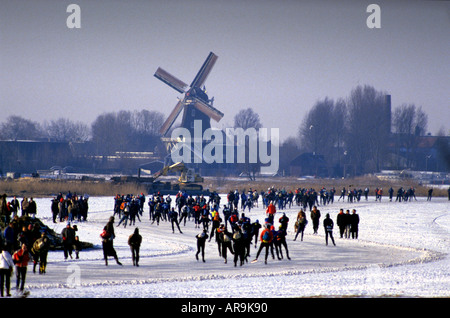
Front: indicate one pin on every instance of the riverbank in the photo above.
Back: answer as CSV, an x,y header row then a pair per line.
x,y
37,187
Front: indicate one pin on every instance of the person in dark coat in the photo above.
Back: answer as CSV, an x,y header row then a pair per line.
x,y
68,236
238,246
280,241
315,217
15,205
225,238
173,216
78,247
354,221
430,194
201,239
300,224
55,209
134,241
32,208
328,227
254,231
108,236
9,238
340,221
284,220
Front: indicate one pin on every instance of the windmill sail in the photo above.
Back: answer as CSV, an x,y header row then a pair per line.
x,y
206,68
208,110
171,119
171,80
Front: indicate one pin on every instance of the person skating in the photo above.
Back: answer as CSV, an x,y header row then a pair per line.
x,y
300,224
315,217
238,246
328,227
270,212
266,238
173,216
6,268
280,241
226,240
78,247
21,258
157,213
201,239
68,236
347,224
430,194
354,222
216,221
134,241
107,237
284,221
341,222
184,214
254,231
40,251
126,214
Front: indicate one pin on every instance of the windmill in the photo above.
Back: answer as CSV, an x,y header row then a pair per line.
x,y
195,102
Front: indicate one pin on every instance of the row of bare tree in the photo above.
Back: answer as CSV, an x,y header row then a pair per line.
x,y
353,131
114,131
356,131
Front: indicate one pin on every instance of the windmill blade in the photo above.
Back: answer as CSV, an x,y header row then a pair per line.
x,y
171,119
204,70
208,110
171,80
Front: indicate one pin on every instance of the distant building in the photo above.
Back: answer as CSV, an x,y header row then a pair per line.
x,y
421,153
28,156
309,164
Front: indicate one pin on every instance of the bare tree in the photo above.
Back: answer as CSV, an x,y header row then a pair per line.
x,y
19,128
289,149
368,128
323,129
408,122
247,118
126,131
64,129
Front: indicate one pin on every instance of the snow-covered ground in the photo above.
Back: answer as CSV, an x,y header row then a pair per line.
x,y
402,251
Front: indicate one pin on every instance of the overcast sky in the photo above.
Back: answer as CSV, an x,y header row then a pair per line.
x,y
278,57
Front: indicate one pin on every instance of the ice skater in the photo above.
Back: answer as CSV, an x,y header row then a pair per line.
x,y
328,227
201,239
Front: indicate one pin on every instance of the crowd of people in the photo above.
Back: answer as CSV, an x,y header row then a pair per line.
x,y
70,207
24,241
227,224
21,243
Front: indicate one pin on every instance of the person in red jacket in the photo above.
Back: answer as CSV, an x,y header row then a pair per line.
x,y
270,212
266,238
21,259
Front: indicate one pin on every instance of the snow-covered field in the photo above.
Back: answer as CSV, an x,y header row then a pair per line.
x,y
402,251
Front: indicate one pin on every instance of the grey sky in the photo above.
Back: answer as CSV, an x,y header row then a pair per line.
x,y
278,57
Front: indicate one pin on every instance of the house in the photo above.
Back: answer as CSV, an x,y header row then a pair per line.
x,y
309,164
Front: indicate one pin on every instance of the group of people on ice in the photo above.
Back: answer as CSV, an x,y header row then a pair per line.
x,y
21,243
70,207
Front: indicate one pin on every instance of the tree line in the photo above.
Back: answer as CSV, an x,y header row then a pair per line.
x,y
352,134
113,131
